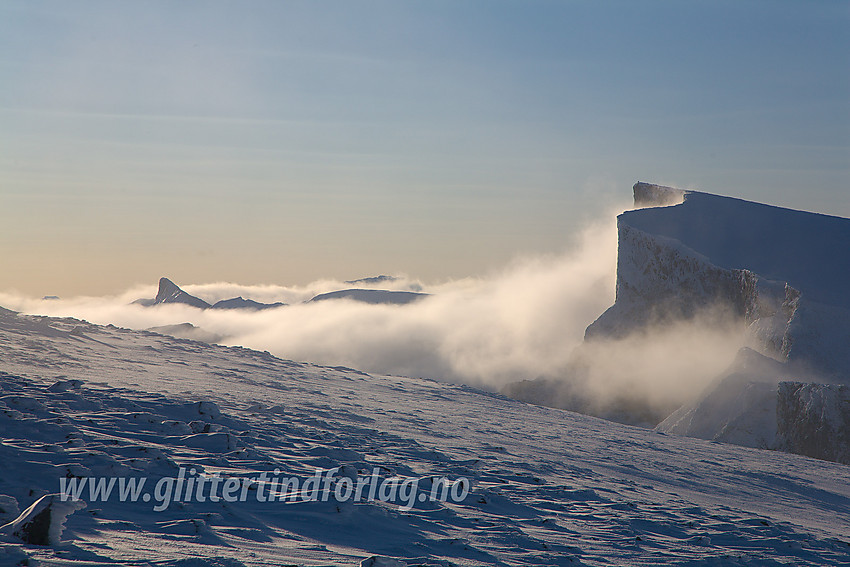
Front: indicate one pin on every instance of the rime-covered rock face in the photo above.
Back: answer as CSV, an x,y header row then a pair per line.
x,y
777,275
814,420
659,278
782,272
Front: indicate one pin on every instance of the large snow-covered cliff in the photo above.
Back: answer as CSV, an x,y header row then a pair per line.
x,y
781,273
784,272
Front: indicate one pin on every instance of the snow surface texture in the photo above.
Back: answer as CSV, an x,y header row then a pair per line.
x,y
783,273
550,487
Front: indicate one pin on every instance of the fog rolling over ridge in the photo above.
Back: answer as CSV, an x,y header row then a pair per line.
x,y
521,323
663,351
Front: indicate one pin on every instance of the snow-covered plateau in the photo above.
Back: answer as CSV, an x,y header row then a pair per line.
x,y
548,486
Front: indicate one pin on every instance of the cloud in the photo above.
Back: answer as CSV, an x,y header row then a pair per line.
x,y
661,365
523,322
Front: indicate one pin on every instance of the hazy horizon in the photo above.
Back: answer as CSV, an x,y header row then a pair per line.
x,y
286,142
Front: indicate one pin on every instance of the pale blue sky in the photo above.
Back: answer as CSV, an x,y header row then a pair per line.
x,y
283,141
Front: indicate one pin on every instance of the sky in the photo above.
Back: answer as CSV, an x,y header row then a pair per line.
x,y
281,142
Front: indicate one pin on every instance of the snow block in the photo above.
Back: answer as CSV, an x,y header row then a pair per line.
x,y
43,522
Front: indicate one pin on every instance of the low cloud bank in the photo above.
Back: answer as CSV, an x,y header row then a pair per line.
x,y
523,322
520,322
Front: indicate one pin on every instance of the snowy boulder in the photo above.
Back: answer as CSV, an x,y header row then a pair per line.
x,y
198,426
212,442
174,427
207,409
43,522
25,404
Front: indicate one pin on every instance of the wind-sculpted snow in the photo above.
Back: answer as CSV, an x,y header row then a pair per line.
x,y
549,487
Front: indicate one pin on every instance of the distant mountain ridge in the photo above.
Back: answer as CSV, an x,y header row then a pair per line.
x,y
170,293
373,296
372,280
241,303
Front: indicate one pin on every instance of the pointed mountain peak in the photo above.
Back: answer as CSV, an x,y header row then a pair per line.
x,y
167,288
169,292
